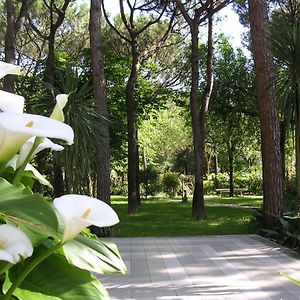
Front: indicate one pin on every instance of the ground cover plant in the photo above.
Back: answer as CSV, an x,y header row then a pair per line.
x,y
165,217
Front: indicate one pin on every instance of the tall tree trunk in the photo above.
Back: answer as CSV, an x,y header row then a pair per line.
x,y
216,181
10,36
230,159
138,194
270,131
282,149
198,197
297,150
14,23
97,63
132,130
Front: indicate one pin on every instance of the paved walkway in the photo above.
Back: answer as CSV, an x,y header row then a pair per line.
x,y
212,267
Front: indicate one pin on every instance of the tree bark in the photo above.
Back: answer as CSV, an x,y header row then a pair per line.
x,y
270,130
132,132
10,36
297,150
230,159
198,197
13,26
99,82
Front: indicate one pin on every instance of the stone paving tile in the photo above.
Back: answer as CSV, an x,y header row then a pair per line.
x,y
195,268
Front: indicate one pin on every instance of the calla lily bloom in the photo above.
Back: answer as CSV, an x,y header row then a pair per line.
x,y
42,180
11,103
16,129
61,101
14,244
45,144
6,68
79,212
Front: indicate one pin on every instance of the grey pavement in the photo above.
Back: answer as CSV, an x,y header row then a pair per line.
x,y
211,267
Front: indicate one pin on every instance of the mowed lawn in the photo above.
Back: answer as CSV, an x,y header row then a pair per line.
x,y
164,217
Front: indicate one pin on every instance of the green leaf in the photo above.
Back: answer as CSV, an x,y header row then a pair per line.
x,y
94,255
31,212
56,279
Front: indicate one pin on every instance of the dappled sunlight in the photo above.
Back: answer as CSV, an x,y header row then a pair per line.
x,y
214,267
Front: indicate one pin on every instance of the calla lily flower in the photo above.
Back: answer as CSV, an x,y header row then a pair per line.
x,y
11,103
61,101
14,244
79,212
6,68
45,144
42,180
16,129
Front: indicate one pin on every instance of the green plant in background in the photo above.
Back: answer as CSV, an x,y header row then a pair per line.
x,y
171,184
149,178
42,253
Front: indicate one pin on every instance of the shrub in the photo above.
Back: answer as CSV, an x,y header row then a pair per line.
x,y
171,184
149,179
208,186
254,183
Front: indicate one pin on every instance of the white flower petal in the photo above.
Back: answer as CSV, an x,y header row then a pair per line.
x,y
80,211
41,179
6,68
47,143
16,129
61,101
11,103
14,244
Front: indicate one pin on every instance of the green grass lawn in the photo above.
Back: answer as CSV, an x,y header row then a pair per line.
x,y
249,200
163,217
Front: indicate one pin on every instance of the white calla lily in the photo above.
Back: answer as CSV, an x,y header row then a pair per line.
x,y
42,180
79,212
45,144
14,244
16,129
11,103
61,101
6,68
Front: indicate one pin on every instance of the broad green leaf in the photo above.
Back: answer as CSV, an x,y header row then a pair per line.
x,y
94,255
56,279
31,212
9,191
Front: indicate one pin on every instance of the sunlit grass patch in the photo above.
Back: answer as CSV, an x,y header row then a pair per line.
x,y
162,217
247,200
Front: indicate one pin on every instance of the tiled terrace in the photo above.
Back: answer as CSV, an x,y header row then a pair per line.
x,y
212,267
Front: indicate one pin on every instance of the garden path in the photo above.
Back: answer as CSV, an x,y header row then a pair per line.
x,y
211,267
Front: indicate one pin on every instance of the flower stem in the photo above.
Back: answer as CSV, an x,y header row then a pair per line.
x,y
5,268
35,262
2,167
21,169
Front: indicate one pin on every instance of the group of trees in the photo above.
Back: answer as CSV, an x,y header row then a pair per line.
x,y
155,86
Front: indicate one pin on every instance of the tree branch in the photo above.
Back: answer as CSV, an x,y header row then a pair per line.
x,y
112,26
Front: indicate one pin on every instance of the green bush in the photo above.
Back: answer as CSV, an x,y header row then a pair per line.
x,y
171,184
223,180
254,183
150,182
208,186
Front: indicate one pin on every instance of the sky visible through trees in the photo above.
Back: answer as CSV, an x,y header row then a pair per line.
x,y
228,23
